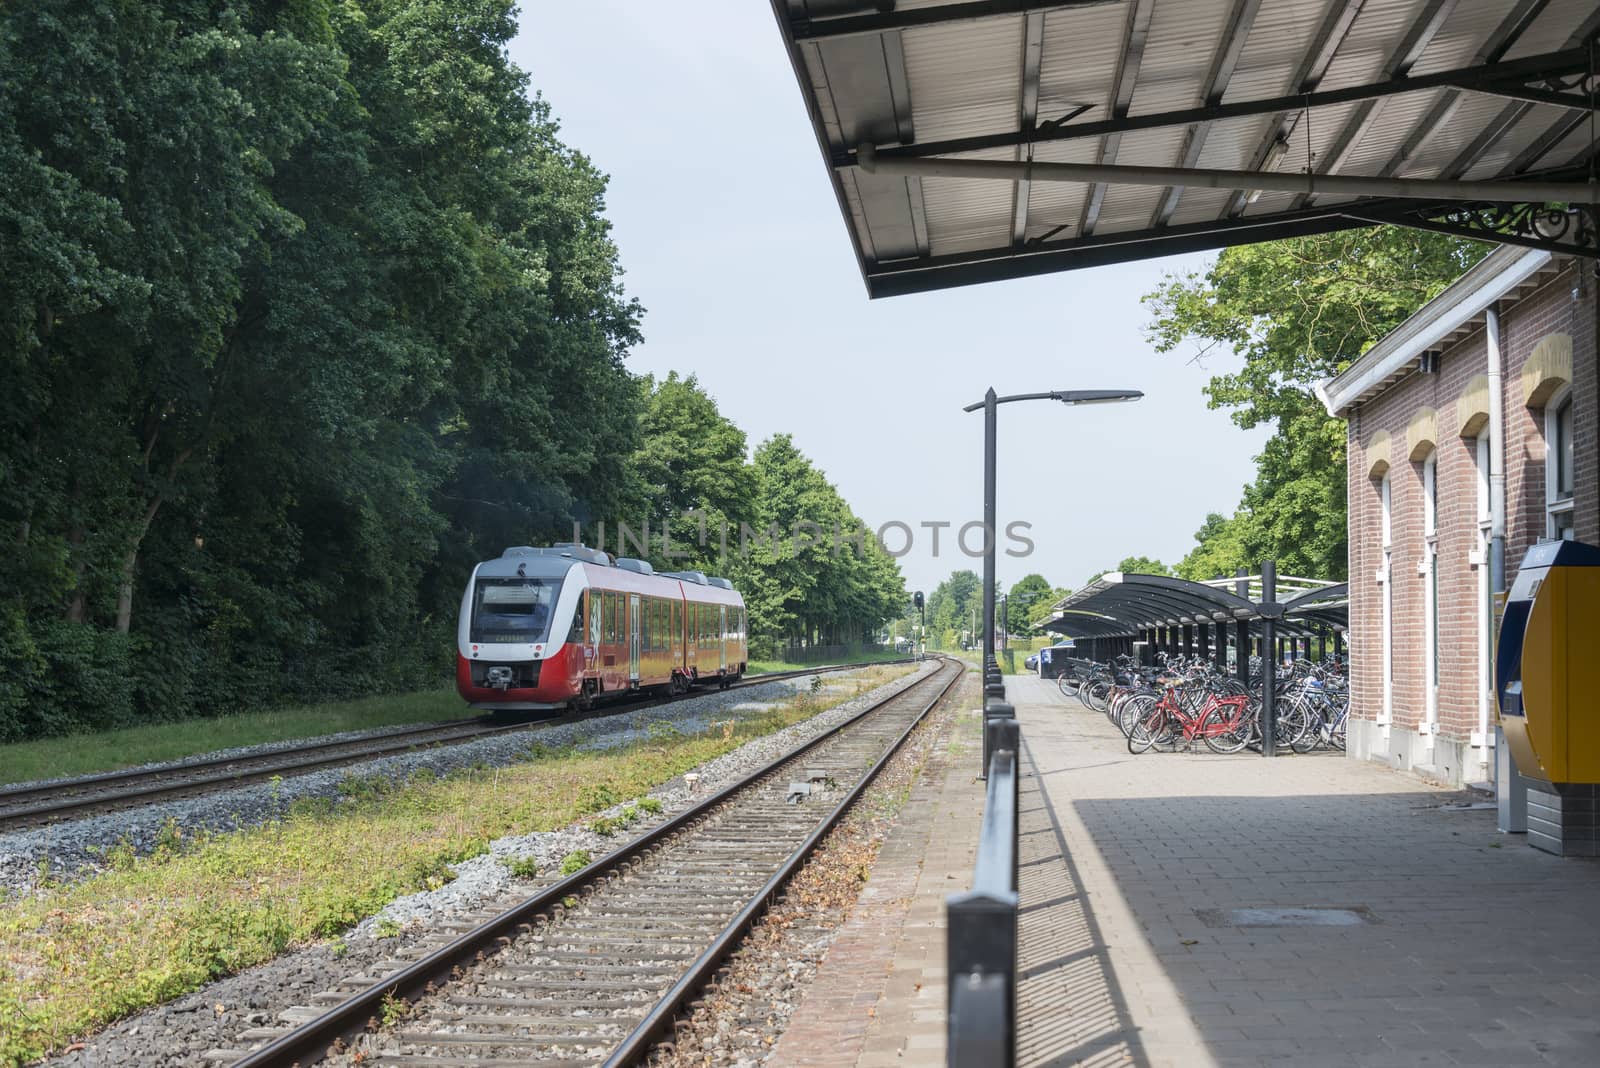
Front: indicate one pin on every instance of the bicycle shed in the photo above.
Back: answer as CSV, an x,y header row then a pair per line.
x,y
1139,615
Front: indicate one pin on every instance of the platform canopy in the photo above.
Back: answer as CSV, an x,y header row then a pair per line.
x,y
975,140
1123,604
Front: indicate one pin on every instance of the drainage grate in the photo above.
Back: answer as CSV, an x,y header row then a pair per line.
x,y
1281,916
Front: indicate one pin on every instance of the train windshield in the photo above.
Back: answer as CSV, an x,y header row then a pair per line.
x,y
512,610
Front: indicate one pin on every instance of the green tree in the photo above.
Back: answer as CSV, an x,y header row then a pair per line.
x,y
1023,599
952,607
1136,565
811,571
1296,312
306,308
1041,609
692,459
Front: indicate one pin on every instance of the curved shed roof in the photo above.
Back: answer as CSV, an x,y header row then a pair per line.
x,y
1121,603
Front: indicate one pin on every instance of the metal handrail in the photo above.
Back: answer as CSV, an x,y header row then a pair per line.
x,y
981,947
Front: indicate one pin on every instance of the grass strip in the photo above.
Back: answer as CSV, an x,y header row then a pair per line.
x,y
74,958
757,666
85,754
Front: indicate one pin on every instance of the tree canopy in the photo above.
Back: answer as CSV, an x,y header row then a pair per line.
x,y
1135,565
1295,312
306,308
1023,601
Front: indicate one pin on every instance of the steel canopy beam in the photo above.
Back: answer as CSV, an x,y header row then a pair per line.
x,y
1513,26
1001,264
1568,61
884,21
1512,114
1133,42
1405,56
971,268
1541,146
1563,127
1223,63
1313,68
1027,114
1195,177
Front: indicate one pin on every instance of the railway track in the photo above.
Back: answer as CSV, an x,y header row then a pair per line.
x,y
50,802
595,968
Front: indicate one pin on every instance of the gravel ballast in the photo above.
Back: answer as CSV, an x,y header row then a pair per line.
x,y
73,849
179,1032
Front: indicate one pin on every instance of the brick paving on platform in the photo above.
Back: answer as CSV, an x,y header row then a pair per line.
x,y
1472,948
878,998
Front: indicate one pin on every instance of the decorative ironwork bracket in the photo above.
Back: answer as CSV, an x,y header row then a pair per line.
x,y
1570,228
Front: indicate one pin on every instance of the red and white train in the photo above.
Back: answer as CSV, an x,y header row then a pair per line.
x,y
558,627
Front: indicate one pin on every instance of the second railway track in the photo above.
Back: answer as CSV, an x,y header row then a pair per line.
x,y
40,804
595,968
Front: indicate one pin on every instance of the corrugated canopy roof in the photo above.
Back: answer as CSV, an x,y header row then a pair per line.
x,y
1124,603
1438,90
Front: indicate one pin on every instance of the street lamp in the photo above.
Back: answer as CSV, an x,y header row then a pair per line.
x,y
988,405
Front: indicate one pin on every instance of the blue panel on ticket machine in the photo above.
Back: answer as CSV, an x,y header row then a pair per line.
x,y
1547,687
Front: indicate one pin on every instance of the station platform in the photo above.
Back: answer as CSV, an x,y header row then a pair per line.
x,y
1196,909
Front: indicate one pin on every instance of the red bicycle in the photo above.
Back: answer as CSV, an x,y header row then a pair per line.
x,y
1224,722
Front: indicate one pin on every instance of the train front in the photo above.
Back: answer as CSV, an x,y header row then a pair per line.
x,y
516,646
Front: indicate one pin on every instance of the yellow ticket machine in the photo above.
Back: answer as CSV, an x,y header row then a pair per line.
x,y
1547,686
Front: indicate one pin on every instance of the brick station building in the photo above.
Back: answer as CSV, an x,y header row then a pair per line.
x,y
1418,409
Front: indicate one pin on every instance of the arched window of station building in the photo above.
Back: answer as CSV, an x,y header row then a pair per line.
x,y
1558,494
1385,577
1428,569
1546,386
1376,453
1472,421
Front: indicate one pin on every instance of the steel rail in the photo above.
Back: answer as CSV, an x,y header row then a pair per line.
x,y
638,1042
310,1042
10,794
257,767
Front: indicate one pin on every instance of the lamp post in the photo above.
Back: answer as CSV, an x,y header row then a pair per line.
x,y
988,405
1005,622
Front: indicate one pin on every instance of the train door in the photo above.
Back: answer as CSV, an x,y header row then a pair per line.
x,y
722,638
691,638
633,638
591,653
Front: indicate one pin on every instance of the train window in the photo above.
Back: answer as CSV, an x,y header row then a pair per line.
x,y
677,623
645,629
592,601
616,617
511,610
575,631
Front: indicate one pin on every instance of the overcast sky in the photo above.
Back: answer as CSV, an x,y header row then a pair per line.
x,y
731,238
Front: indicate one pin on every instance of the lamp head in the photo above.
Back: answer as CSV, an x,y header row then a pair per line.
x,y
1095,396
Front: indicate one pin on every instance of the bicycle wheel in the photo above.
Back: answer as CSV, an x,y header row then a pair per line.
x,y
1312,736
1290,723
1134,707
1095,694
1149,729
1227,728
1067,683
1336,729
